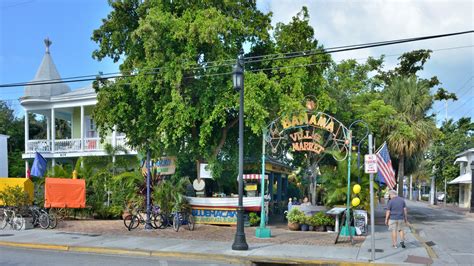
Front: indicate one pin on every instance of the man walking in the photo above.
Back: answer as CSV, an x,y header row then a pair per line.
x,y
396,217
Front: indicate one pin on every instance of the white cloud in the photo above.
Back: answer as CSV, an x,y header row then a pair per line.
x,y
339,23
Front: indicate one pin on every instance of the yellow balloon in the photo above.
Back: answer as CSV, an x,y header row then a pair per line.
x,y
356,188
355,202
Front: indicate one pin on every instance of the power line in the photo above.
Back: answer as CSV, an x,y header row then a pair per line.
x,y
294,55
353,47
460,89
468,100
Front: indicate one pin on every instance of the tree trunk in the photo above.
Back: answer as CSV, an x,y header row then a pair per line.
x,y
401,168
433,191
411,188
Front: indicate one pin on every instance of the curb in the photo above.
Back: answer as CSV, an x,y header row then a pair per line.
x,y
429,249
232,259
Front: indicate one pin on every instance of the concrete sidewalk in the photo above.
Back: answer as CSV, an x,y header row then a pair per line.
x,y
276,250
219,251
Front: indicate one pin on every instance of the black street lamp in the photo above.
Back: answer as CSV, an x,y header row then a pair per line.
x,y
472,187
238,80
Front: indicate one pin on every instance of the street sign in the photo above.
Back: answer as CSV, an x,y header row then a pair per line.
x,y
370,163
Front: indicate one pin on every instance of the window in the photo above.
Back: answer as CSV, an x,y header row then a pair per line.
x,y
91,131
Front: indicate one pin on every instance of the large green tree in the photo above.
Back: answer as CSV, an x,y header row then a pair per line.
x,y
409,131
180,101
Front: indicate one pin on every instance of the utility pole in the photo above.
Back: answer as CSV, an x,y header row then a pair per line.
x,y
372,211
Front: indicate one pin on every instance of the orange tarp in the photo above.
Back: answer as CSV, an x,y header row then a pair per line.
x,y
64,193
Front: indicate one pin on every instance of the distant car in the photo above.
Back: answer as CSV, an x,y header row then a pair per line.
x,y
440,196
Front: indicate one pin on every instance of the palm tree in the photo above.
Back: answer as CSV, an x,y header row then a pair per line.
x,y
409,131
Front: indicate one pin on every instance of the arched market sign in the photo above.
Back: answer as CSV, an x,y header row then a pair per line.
x,y
310,131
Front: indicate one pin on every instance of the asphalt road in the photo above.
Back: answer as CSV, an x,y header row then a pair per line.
x,y
20,256
452,234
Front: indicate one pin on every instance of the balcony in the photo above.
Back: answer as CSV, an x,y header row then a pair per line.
x,y
74,145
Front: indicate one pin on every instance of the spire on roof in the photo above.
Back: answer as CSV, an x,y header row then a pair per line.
x,y
48,43
47,71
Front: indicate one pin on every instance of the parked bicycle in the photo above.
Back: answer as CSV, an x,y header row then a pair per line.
x,y
164,220
40,217
9,217
132,221
183,218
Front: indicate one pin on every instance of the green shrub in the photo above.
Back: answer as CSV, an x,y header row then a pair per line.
x,y
295,216
318,219
112,212
254,219
169,194
14,196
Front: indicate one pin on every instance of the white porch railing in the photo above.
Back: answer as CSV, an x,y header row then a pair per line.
x,y
121,141
74,145
39,145
94,144
67,145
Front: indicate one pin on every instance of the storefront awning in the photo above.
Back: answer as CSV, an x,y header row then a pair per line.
x,y
462,179
461,159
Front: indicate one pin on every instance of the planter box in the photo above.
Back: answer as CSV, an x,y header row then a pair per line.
x,y
28,224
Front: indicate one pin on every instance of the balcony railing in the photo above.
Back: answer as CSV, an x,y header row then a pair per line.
x,y
39,145
74,145
67,145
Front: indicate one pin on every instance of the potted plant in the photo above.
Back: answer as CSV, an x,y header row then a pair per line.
x,y
304,221
318,221
254,219
329,223
294,218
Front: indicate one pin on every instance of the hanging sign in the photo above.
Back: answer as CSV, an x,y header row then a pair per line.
x,y
165,165
370,161
309,131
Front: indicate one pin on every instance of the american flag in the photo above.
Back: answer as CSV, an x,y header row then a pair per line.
x,y
384,167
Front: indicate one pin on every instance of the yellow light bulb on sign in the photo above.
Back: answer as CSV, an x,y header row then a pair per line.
x,y
355,202
356,189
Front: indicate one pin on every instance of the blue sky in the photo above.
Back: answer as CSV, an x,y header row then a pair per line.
x,y
69,24
24,24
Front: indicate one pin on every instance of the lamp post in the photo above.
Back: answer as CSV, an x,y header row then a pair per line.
x,y
238,80
262,231
472,187
148,177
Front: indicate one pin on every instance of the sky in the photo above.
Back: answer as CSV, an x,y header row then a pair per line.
x,y
69,24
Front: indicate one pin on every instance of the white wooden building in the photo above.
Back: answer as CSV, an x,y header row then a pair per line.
x,y
3,155
57,101
464,180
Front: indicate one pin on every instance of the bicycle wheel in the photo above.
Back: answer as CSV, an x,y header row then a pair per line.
x,y
53,220
176,222
3,220
190,222
18,222
44,221
153,218
159,221
127,221
135,222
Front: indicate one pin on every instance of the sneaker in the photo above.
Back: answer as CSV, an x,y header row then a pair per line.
x,y
394,246
402,244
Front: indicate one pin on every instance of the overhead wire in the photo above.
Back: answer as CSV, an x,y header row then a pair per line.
x,y
295,54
